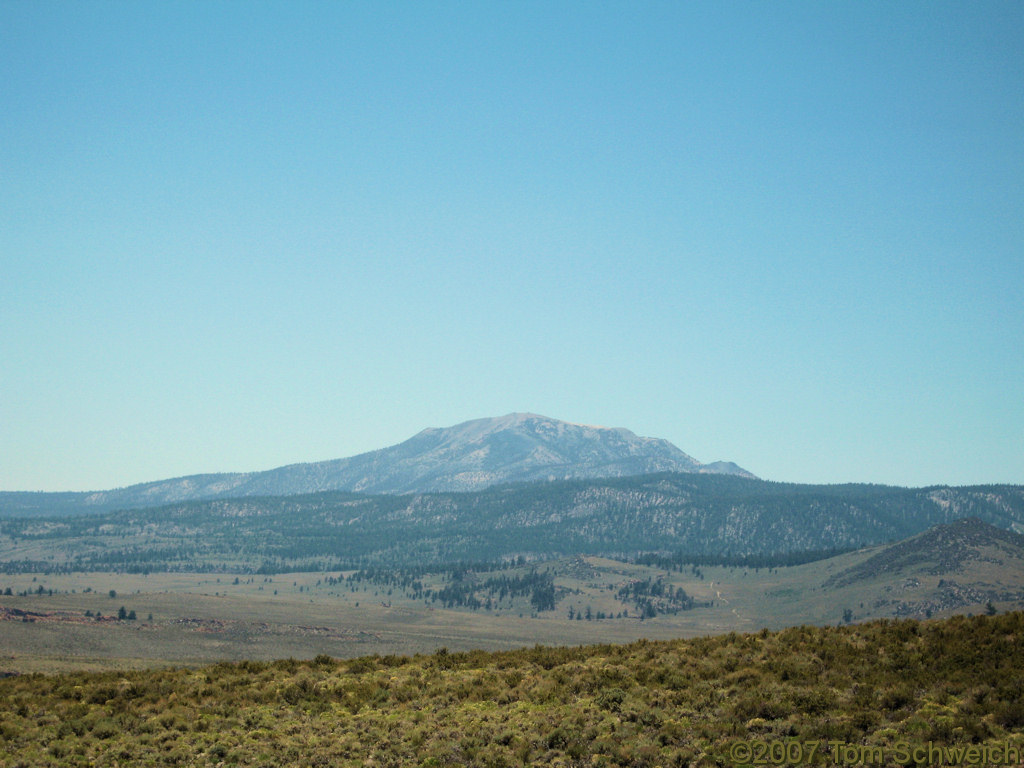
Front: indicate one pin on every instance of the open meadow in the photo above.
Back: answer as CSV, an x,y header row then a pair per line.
x,y
59,621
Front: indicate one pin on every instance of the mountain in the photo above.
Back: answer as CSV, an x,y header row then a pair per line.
x,y
942,550
677,517
966,564
518,447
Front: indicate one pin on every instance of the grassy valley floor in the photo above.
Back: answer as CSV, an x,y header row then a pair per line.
x,y
64,622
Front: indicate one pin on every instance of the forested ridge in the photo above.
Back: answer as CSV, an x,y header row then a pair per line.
x,y
683,517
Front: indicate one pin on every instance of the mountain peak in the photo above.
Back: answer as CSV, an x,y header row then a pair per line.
x,y
514,420
516,447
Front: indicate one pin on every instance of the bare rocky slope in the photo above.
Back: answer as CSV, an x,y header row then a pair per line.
x,y
518,447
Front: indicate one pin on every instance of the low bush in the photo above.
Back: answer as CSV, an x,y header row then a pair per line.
x,y
644,704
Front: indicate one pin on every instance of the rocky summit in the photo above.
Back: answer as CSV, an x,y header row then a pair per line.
x,y
518,447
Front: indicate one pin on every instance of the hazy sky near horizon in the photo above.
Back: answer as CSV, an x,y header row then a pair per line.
x,y
240,235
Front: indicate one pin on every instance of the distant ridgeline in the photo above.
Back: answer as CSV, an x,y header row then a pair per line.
x,y
671,518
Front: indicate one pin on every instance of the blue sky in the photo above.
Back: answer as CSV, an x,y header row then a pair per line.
x,y
240,235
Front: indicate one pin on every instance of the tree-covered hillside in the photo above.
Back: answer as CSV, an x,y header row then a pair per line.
x,y
690,515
